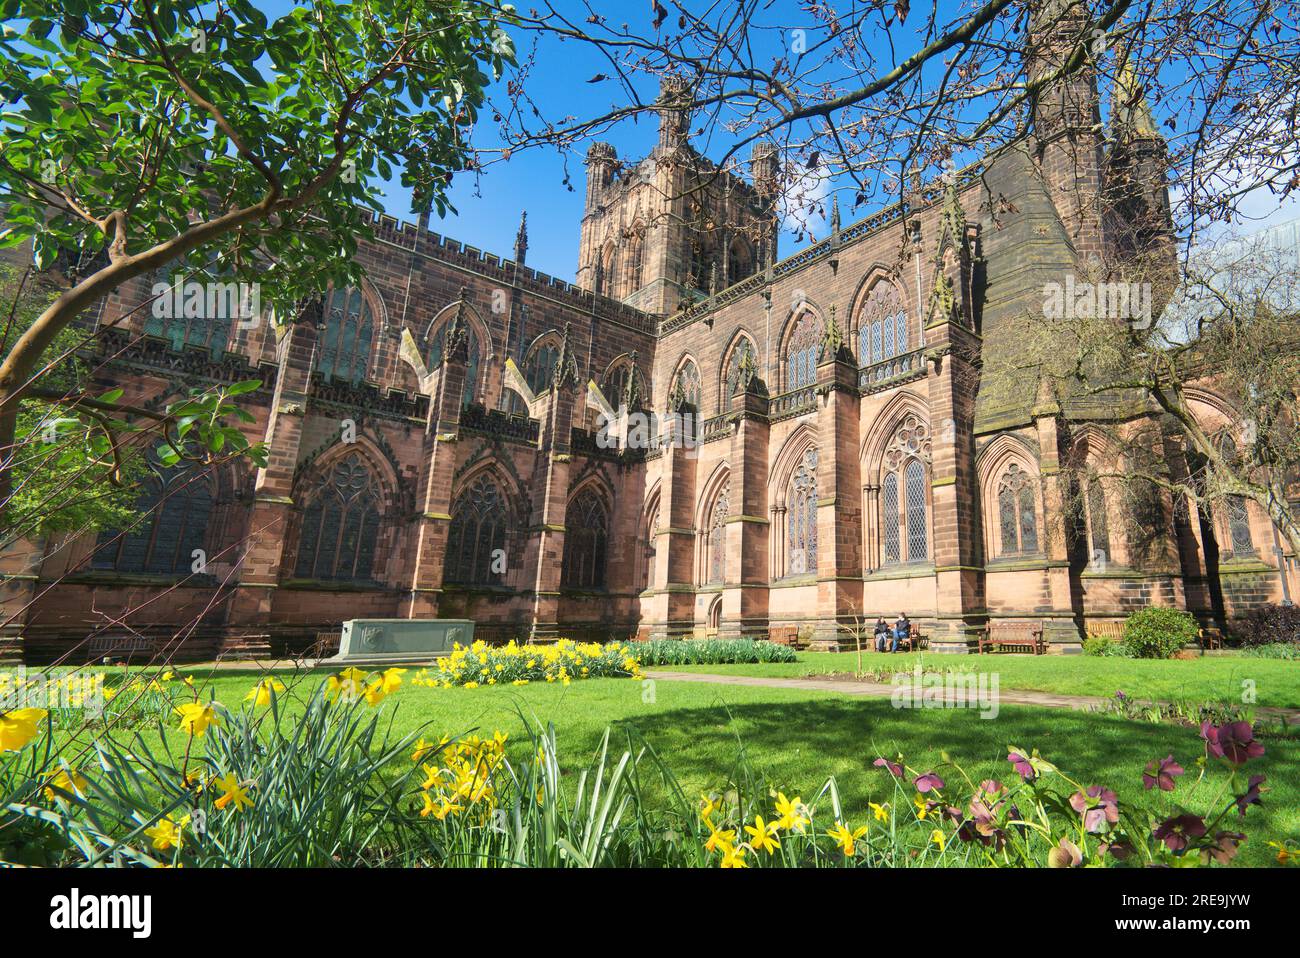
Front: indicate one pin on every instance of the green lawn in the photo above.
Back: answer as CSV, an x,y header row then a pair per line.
x,y
796,739
1220,678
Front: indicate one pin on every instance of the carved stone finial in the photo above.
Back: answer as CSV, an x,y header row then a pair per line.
x,y
566,370
835,214
631,389
832,337
943,301
455,343
521,239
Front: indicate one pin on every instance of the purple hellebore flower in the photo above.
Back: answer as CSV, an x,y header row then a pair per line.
x,y
928,781
1121,849
1065,855
1175,832
1223,849
894,768
1233,741
1023,766
1098,807
1161,773
1252,794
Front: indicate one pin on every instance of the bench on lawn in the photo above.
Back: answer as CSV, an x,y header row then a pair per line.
x,y
915,641
998,636
1112,629
1210,637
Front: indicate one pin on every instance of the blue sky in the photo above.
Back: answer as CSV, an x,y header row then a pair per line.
x,y
488,205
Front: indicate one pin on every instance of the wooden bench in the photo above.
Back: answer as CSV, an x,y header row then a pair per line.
x,y
915,641
1210,637
1012,635
786,635
1104,630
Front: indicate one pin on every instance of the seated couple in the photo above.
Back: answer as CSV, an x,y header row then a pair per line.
x,y
884,634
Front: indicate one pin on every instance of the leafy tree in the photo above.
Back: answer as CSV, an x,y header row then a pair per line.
x,y
152,132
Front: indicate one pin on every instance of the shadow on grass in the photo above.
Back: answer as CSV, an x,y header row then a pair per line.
x,y
799,744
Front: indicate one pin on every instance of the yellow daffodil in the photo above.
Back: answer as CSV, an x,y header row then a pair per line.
x,y
350,684
734,857
847,840
763,835
922,806
260,694
708,805
197,716
720,839
71,782
937,838
880,811
168,834
791,812
231,793
19,727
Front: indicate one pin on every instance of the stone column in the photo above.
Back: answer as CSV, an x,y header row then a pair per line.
x,y
672,608
437,466
544,552
745,595
1059,626
958,558
839,485
248,615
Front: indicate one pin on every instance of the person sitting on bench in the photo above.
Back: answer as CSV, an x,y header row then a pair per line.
x,y
882,633
902,629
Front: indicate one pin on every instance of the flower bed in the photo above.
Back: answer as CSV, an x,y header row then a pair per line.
x,y
514,664
711,652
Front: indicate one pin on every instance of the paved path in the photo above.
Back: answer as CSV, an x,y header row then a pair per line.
x,y
882,690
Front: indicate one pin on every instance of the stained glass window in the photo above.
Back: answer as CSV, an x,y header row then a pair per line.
x,y
884,321
1017,516
585,542
198,311
904,509
889,518
916,530
687,385
539,368
340,526
801,517
470,393
476,537
1239,525
801,353
175,506
347,338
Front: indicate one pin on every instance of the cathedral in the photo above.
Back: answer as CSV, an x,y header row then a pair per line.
x,y
697,437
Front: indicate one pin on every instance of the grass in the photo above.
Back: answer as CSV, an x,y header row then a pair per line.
x,y
797,738
1218,678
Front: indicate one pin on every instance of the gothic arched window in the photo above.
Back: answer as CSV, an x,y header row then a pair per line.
x,y
194,311
801,517
801,353
648,574
743,349
1239,526
175,507
340,526
470,393
476,536
686,387
882,327
716,544
1017,518
346,340
635,261
616,382
1098,530
740,261
585,542
539,368
904,493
